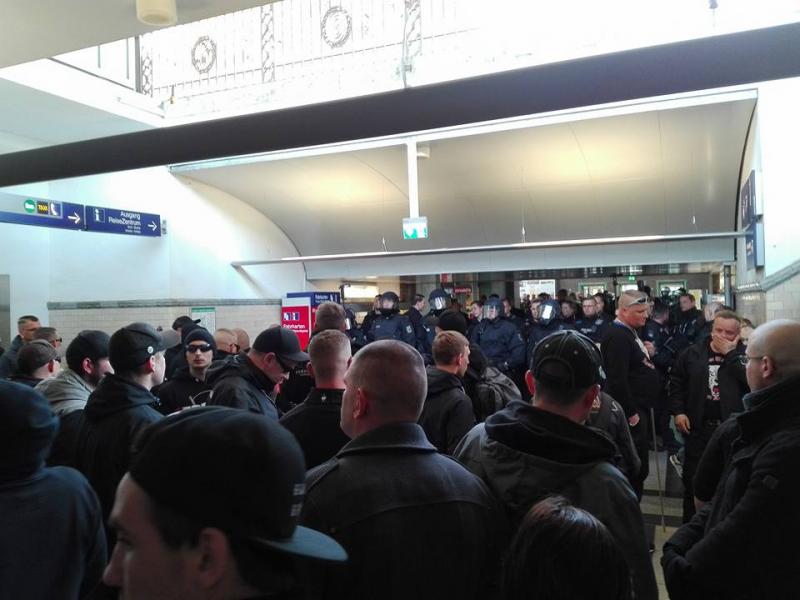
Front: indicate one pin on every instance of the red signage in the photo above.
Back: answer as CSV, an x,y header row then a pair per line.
x,y
296,315
464,290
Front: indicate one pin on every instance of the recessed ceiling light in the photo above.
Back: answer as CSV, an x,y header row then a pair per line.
x,y
158,13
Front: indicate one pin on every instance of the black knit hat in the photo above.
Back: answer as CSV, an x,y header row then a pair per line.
x,y
248,470
453,320
199,334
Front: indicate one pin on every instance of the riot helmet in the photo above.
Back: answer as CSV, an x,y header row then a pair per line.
x,y
549,310
494,308
438,300
349,319
390,303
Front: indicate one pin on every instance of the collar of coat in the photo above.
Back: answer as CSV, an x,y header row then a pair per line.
x,y
770,408
395,436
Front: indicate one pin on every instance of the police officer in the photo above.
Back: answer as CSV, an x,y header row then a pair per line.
x,y
593,322
389,324
549,321
499,339
437,300
357,338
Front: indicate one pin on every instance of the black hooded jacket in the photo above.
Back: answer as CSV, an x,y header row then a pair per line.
x,y
238,383
447,414
183,390
52,543
524,454
315,424
114,415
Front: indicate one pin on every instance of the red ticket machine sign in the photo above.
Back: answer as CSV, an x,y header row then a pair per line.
x,y
296,315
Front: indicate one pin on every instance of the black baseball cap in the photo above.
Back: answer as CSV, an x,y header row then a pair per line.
x,y
183,321
580,361
249,472
281,341
131,346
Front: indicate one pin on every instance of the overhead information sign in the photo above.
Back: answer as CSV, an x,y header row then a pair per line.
x,y
125,222
415,228
26,210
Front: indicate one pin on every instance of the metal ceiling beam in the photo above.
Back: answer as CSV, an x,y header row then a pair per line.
x,y
608,241
713,62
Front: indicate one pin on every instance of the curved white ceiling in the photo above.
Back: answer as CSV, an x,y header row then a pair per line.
x,y
660,172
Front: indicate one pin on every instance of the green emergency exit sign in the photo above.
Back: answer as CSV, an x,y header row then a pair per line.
x,y
415,228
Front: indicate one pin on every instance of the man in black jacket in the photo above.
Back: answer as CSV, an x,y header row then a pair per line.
x,y
707,383
188,386
249,381
415,524
315,422
743,544
447,414
631,376
119,408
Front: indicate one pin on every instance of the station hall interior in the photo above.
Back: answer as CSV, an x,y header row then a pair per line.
x,y
253,150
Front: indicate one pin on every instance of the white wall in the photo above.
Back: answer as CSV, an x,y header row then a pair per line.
x,y
207,229
779,135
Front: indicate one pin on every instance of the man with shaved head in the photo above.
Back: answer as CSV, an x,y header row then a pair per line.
x,y
415,523
743,544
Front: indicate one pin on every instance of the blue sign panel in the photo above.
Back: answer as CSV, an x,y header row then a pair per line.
x,y
126,222
317,298
24,210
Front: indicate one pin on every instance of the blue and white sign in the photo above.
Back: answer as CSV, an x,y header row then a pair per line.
x,y
25,210
125,222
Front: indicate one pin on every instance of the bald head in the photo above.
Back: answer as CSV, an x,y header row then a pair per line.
x,y
774,353
242,339
392,375
225,339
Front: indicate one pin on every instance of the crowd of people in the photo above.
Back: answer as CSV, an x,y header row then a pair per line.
x,y
498,452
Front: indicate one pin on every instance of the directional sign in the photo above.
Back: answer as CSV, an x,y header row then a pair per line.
x,y
415,228
24,210
126,222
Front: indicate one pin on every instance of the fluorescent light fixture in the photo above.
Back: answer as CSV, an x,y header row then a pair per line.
x,y
609,241
158,13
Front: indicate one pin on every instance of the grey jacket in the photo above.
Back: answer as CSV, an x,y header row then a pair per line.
x,y
66,392
525,454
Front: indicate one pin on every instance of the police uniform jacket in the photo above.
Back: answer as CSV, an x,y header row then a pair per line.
x,y
501,342
392,327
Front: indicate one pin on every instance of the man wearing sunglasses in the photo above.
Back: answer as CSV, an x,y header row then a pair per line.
x,y
250,381
188,385
631,376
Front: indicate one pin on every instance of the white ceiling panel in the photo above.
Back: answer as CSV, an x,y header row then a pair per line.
x,y
660,172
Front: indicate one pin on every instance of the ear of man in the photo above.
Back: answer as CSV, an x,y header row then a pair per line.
x,y
211,558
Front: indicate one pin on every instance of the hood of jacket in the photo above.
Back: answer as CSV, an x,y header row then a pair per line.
x,y
66,392
527,452
239,366
115,395
441,381
27,430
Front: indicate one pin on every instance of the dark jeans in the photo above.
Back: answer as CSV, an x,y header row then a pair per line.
x,y
696,443
642,434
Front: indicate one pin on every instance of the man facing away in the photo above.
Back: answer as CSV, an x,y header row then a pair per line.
x,y
743,543
447,414
315,422
528,451
415,523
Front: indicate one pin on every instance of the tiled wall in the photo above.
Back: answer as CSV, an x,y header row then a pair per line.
x,y
253,318
752,305
783,301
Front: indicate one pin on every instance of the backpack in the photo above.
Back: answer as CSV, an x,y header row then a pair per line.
x,y
492,391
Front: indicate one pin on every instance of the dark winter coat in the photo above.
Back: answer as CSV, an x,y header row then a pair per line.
x,y
607,415
114,415
525,454
238,383
415,523
743,545
52,543
393,326
688,383
631,378
8,360
315,424
447,414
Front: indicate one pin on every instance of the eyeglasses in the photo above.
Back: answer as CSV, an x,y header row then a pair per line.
x,y
287,367
749,358
639,300
195,349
